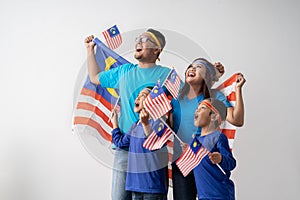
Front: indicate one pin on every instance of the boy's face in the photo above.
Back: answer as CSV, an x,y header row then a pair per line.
x,y
138,103
202,116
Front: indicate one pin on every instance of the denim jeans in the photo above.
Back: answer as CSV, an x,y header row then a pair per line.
x,y
147,196
184,188
118,191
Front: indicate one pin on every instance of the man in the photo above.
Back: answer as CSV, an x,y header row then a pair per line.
x,y
130,79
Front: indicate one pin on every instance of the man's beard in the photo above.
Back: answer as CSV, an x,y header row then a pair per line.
x,y
138,57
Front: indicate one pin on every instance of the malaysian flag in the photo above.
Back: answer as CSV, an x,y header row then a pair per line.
x,y
95,104
113,37
157,102
160,135
228,89
172,83
191,157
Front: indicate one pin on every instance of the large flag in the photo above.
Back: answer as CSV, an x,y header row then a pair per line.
x,y
172,83
191,157
113,37
160,135
95,104
157,102
228,89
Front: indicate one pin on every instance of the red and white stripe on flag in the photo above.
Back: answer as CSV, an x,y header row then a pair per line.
x,y
228,89
189,160
113,37
173,83
94,111
154,141
157,106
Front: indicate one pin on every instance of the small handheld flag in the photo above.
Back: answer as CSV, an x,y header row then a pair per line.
x,y
113,37
157,102
160,135
172,83
191,157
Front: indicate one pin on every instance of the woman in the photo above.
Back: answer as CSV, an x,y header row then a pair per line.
x,y
199,77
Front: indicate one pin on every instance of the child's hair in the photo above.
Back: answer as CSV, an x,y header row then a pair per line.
x,y
220,107
149,87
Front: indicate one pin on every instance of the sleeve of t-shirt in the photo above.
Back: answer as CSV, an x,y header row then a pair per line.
x,y
119,139
221,97
228,162
110,78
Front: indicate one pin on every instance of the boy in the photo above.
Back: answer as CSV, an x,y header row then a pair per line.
x,y
211,182
146,177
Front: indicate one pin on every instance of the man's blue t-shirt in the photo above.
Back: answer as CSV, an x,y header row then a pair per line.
x,y
130,79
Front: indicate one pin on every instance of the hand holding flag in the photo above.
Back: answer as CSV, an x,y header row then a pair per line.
x,y
215,157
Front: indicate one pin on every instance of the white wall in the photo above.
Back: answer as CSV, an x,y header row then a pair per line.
x,y
42,53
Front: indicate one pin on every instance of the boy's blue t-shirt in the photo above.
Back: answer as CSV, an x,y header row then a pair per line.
x,y
210,181
130,79
183,117
146,170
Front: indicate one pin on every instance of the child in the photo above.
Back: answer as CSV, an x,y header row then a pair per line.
x,y
146,172
211,182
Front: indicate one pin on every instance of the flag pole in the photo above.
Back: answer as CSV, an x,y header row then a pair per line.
x,y
173,132
221,168
177,137
115,106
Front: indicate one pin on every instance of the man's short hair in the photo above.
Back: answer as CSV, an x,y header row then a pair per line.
x,y
159,36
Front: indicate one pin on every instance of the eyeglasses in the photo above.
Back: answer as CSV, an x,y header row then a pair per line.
x,y
143,39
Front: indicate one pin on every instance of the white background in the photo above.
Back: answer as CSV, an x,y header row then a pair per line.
x,y
42,51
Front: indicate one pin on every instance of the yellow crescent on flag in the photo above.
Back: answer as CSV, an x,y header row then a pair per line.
x,y
160,126
109,61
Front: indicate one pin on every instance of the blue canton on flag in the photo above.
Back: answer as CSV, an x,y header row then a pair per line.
x,y
157,90
113,31
159,129
195,145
